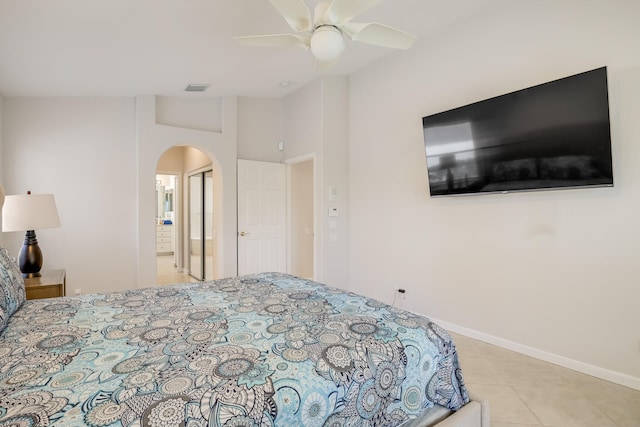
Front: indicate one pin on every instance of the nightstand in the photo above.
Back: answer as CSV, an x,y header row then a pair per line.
x,y
50,284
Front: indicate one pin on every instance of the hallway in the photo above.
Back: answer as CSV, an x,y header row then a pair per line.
x,y
168,274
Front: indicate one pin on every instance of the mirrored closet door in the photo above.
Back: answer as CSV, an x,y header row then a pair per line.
x,y
201,225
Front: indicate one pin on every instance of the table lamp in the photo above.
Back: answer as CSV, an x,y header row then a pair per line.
x,y
28,212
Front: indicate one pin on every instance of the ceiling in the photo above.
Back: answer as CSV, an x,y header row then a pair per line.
x,y
144,47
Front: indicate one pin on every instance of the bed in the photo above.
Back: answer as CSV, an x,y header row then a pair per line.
x,y
262,350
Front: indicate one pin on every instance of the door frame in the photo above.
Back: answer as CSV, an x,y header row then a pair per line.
x,y
316,220
178,254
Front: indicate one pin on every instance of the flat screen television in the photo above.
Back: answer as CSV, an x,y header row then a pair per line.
x,y
550,136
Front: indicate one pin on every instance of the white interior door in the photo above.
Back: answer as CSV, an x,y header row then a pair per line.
x,y
262,218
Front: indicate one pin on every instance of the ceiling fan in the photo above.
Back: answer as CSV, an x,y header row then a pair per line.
x,y
324,36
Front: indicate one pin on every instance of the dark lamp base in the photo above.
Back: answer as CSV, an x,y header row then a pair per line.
x,y
30,257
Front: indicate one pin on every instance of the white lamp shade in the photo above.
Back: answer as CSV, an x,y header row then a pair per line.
x,y
327,43
29,212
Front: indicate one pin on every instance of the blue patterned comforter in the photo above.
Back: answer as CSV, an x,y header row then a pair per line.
x,y
261,350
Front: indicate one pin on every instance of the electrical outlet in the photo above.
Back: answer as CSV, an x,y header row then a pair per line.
x,y
77,291
401,293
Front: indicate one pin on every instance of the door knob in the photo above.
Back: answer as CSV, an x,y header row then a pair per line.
x,y
242,234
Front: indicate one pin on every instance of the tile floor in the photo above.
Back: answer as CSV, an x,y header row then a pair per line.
x,y
527,392
167,274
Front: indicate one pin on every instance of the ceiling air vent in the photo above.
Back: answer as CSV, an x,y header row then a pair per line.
x,y
196,87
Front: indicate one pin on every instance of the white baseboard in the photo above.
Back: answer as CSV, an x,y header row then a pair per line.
x,y
585,368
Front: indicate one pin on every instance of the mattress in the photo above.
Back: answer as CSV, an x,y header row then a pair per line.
x,y
262,350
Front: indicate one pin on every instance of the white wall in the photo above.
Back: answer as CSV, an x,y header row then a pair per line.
x,y
152,140
553,273
83,151
190,112
260,127
316,123
172,161
335,178
98,156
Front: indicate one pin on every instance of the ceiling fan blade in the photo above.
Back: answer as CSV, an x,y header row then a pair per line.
x,y
295,12
379,35
342,11
275,40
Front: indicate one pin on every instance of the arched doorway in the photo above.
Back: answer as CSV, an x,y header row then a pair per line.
x,y
185,229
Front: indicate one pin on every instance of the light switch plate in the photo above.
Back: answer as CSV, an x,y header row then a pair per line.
x,y
333,194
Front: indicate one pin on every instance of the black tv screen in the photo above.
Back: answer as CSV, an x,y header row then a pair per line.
x,y
550,136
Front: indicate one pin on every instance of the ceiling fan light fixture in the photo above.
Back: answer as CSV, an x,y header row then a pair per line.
x,y
327,43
